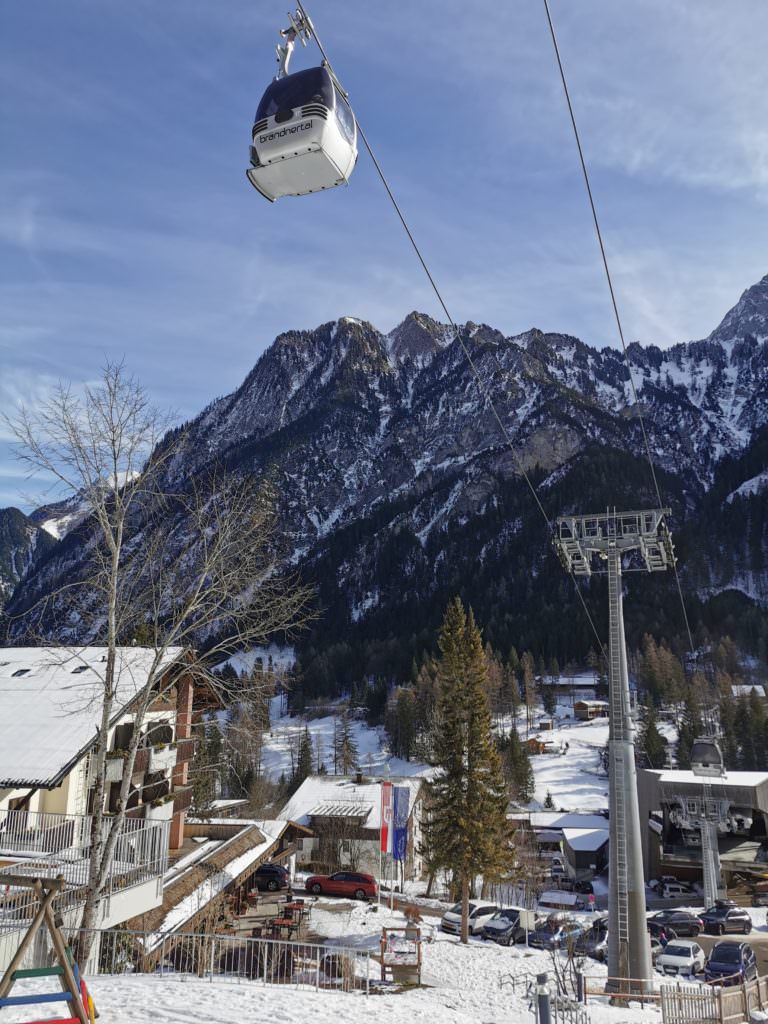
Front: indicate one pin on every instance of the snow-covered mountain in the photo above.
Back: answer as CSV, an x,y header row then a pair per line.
x,y
20,542
382,445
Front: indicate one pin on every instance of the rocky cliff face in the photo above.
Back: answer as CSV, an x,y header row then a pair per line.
x,y
20,542
372,436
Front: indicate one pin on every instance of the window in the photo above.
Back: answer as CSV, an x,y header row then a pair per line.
x,y
299,844
20,672
346,119
310,86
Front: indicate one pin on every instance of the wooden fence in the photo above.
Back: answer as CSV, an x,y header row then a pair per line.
x,y
687,1003
713,1004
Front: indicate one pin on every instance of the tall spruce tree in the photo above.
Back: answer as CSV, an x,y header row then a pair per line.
x,y
518,768
303,760
344,745
468,830
651,745
529,688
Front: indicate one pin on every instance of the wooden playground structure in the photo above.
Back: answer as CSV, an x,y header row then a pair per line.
x,y
73,990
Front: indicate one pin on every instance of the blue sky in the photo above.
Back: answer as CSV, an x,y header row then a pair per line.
x,y
127,228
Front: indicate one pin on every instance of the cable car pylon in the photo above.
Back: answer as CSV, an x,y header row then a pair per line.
x,y
609,537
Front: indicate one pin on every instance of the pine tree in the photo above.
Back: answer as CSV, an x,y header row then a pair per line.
x,y
529,688
344,746
468,830
549,803
651,744
690,728
303,761
518,768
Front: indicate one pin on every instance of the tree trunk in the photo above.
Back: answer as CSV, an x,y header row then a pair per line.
x,y
464,909
430,883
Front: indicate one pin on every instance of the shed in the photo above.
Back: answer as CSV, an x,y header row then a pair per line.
x,y
586,710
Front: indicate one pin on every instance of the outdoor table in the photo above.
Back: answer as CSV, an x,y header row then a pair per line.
x,y
287,923
299,907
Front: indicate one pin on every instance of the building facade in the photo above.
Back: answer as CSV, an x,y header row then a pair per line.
x,y
49,714
344,814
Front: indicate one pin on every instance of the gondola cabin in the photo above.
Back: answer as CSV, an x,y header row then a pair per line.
x,y
304,138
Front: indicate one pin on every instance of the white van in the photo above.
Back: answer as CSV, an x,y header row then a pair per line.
x,y
558,900
673,890
480,913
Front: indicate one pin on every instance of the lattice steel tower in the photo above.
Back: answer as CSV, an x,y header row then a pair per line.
x,y
612,537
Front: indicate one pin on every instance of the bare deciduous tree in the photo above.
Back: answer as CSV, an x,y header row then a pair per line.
x,y
192,564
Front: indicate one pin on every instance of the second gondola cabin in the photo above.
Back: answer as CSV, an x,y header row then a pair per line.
x,y
304,137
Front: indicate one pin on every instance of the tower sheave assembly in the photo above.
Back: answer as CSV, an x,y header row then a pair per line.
x,y
611,538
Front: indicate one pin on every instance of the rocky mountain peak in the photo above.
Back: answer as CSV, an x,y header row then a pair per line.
x,y
417,339
749,317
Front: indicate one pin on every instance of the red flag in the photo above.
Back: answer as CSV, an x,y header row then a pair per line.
x,y
386,818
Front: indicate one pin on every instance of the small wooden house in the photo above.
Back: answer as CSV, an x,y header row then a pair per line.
x,y
587,710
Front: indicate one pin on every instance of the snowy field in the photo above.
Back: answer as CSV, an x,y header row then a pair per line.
x,y
282,742
574,778
462,985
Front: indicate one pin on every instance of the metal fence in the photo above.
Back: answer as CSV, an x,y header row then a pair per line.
x,y
229,957
46,845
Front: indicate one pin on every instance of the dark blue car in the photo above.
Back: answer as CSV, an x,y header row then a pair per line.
x,y
730,963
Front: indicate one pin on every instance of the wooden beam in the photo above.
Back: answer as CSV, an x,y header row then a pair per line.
x,y
68,982
28,882
7,980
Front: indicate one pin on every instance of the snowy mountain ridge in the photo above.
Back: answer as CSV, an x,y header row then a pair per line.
x,y
379,442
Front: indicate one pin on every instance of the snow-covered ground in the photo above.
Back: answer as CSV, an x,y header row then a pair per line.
x,y
462,985
574,778
282,742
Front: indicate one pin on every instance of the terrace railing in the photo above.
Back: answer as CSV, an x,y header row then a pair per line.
x,y
239,959
48,845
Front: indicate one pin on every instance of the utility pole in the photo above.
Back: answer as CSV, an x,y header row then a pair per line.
x,y
608,538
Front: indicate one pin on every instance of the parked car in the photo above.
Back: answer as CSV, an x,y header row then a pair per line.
x,y
480,913
584,887
555,933
682,922
271,877
730,963
657,884
504,927
343,883
724,917
683,956
675,890
760,899
594,941
656,948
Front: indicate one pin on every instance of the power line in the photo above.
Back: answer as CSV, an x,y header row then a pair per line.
x,y
485,393
614,303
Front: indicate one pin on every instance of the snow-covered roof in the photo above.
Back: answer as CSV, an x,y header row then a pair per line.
x,y
341,809
585,838
593,703
561,820
319,790
679,775
745,690
222,805
213,885
50,705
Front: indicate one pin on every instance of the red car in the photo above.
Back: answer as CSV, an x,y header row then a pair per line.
x,y
343,883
